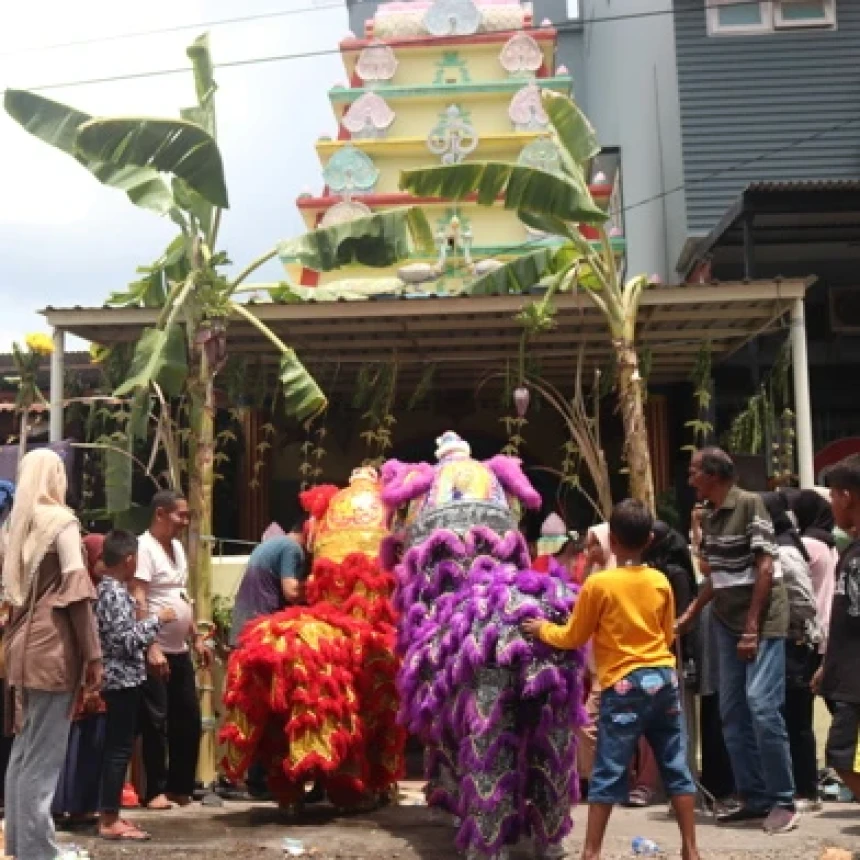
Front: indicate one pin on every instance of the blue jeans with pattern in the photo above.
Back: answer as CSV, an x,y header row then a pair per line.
x,y
646,703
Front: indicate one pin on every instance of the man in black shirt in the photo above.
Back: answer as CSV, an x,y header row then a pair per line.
x,y
839,681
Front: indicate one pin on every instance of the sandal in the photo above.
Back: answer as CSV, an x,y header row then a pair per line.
x,y
128,832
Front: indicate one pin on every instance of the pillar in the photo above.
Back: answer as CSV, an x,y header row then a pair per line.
x,y
58,372
802,404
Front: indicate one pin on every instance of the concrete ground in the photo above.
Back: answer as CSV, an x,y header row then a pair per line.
x,y
409,832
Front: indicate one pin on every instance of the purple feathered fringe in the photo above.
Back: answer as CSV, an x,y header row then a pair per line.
x,y
496,712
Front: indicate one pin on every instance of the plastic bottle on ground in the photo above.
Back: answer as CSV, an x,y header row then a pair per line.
x,y
643,847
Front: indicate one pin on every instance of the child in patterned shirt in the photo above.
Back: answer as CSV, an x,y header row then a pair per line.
x,y
124,641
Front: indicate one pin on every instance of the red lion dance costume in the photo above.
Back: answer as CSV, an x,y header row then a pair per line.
x,y
311,690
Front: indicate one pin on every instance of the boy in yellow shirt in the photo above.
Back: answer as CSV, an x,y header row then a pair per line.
x,y
629,614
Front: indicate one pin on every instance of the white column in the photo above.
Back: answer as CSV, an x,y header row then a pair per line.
x,y
58,370
802,405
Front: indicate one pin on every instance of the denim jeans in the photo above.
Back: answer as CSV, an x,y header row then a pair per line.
x,y
752,695
645,703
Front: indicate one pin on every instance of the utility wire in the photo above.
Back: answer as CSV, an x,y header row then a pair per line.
x,y
575,26
178,28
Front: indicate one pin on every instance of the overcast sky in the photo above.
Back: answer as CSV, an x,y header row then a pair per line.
x,y
67,240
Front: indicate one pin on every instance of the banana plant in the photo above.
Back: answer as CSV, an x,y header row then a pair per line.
x,y
557,204
174,168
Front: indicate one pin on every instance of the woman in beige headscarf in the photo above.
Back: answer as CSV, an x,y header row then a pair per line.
x,y
51,646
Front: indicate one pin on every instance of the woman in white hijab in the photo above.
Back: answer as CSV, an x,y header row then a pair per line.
x,y
51,646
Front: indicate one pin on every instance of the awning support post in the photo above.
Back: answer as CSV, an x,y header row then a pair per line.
x,y
58,370
802,403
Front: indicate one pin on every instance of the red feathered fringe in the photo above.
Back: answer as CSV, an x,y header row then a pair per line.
x,y
311,690
316,500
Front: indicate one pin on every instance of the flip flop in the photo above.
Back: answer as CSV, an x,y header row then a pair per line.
x,y
129,833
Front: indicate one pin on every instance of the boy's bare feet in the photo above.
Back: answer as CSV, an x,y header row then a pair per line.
x,y
159,803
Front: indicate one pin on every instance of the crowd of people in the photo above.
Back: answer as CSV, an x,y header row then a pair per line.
x,y
774,623
97,649
755,616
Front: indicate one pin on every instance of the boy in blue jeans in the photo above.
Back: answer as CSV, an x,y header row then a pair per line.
x,y
629,614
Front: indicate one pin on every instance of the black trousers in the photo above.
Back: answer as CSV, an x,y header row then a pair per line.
x,y
171,728
716,776
801,662
122,709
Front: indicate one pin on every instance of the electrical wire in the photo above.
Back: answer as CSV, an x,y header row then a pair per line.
x,y
178,28
571,26
575,26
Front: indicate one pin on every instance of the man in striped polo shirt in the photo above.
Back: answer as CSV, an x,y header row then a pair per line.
x,y
750,607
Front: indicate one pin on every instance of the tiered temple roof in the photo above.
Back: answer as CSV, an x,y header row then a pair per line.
x,y
438,83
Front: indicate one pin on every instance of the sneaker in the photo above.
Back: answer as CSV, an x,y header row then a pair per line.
x,y
781,820
742,815
808,804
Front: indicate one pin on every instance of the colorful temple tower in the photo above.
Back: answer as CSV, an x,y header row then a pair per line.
x,y
439,83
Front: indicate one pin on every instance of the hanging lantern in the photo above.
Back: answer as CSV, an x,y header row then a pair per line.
x,y
521,400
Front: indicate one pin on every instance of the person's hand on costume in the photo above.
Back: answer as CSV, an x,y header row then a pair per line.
x,y
531,627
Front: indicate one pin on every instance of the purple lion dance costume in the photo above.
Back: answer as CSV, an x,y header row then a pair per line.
x,y
495,712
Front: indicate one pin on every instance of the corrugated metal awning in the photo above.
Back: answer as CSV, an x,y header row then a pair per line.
x,y
467,338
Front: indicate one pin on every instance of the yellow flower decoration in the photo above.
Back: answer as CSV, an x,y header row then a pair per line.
x,y
99,353
40,344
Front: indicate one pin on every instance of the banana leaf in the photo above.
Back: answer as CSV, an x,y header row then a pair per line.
x,y
524,188
173,146
303,398
515,276
160,356
150,291
574,131
379,240
57,125
118,480
204,85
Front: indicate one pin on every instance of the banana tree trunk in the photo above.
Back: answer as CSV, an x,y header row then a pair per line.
x,y
22,438
201,481
630,401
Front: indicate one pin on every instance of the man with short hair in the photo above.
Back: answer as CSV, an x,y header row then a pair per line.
x,y
273,579
838,680
750,613
170,720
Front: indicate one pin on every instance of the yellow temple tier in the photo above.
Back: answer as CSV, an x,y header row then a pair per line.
x,y
440,83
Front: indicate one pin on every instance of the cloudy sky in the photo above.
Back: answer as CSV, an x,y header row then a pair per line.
x,y
67,240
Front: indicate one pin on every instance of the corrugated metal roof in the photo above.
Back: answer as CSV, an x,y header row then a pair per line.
x,y
794,185
466,338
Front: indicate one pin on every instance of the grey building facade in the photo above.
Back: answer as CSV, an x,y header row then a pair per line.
x,y
770,128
